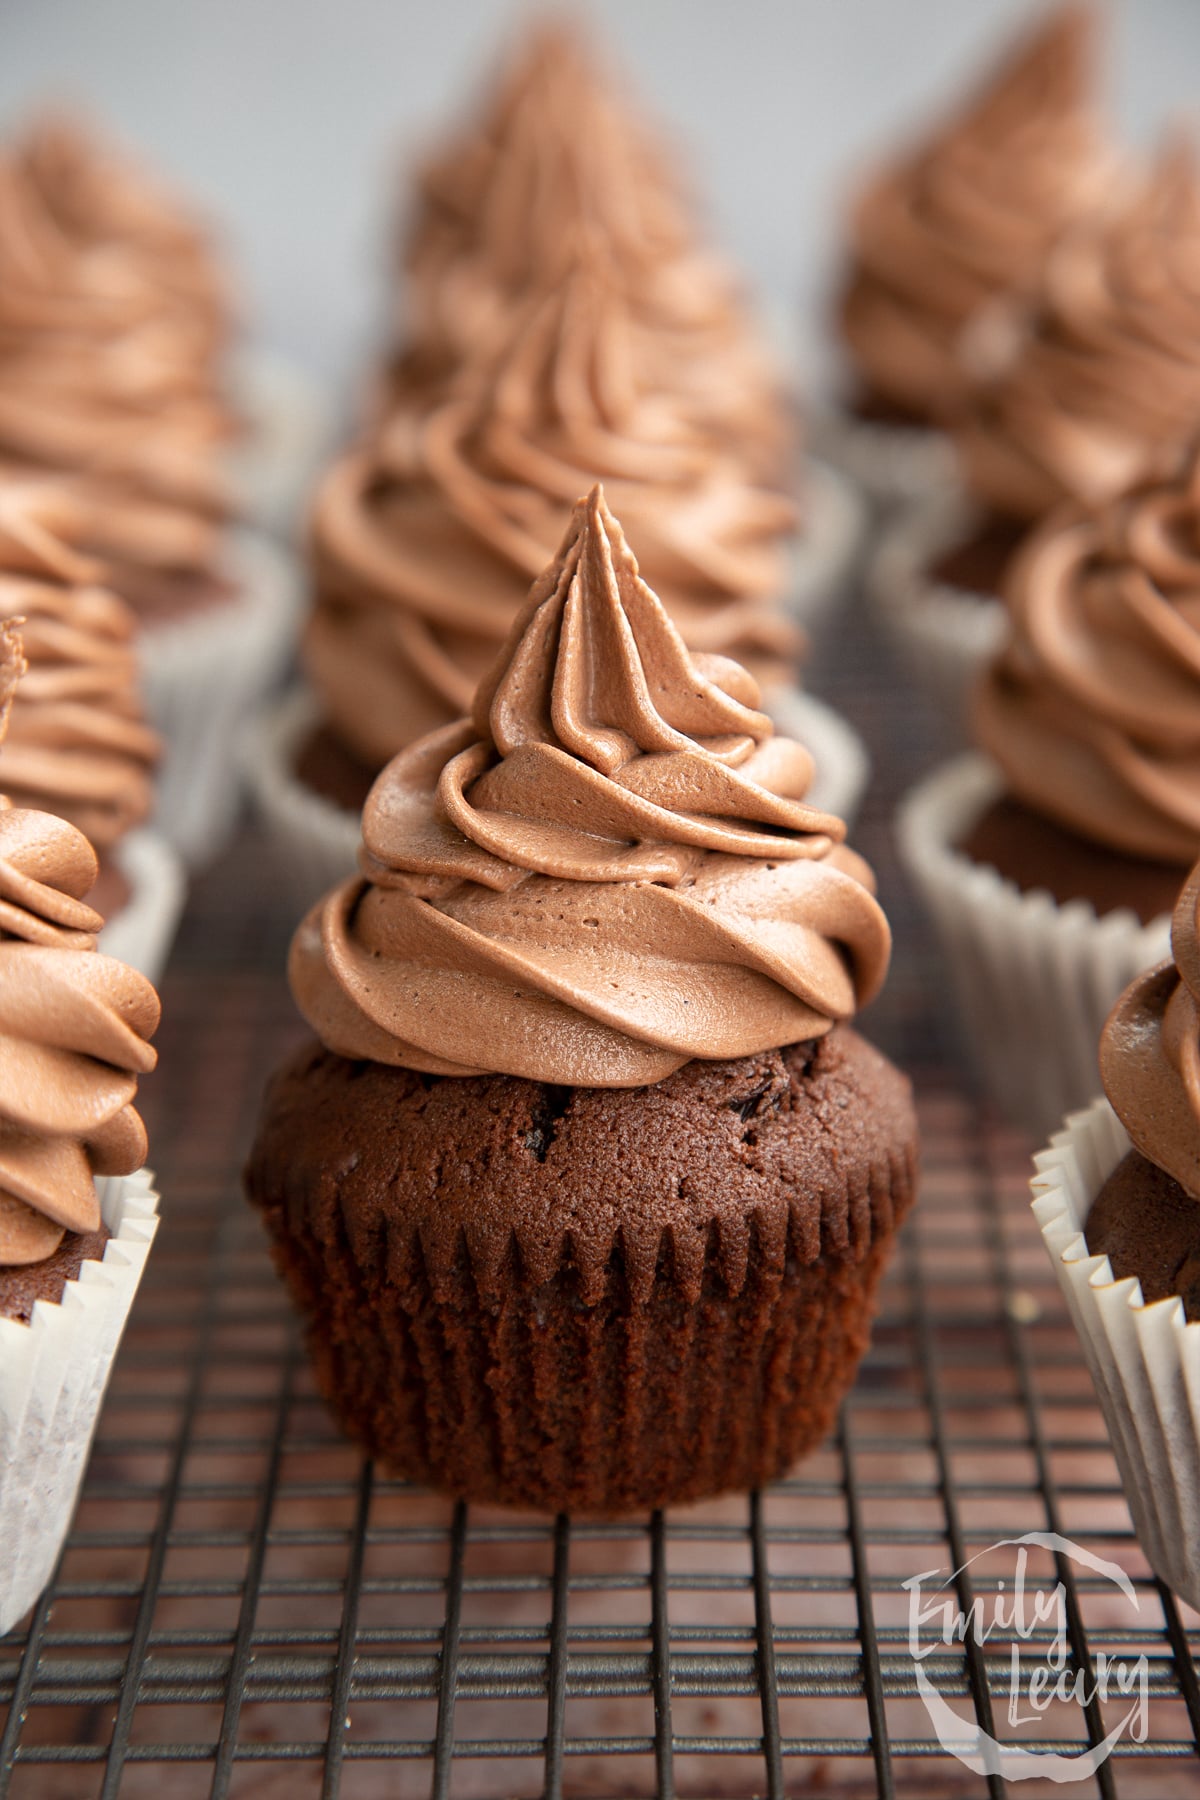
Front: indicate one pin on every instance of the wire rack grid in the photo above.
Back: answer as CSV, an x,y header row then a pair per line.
x,y
246,1607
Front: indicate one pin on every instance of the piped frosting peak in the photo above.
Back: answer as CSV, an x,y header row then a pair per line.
x,y
609,868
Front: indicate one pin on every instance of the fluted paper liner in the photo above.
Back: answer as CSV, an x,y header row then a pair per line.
x,y
942,634
891,465
1034,981
202,677
318,841
53,1373
142,933
833,535
1144,1360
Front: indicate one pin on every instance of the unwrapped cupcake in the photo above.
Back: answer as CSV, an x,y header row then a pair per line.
x,y
1117,1196
77,1212
961,220
78,743
1099,394
1050,866
586,1188
114,331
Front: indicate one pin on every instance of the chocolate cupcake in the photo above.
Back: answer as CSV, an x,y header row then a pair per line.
x,y
585,1191
78,743
1117,1195
74,1213
965,218
115,329
1051,868
1099,394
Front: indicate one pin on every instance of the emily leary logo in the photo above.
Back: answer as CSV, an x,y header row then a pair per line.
x,y
1041,1673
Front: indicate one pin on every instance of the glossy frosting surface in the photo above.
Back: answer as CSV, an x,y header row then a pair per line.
x,y
608,869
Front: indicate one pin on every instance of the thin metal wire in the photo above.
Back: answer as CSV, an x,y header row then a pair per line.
x,y
559,1653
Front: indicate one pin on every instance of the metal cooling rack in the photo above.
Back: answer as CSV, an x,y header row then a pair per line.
x,y
246,1608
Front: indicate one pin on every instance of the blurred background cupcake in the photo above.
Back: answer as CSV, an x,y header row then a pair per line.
x,y
78,743
960,220
115,332
567,323
1050,865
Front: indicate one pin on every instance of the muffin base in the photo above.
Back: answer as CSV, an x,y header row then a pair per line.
x,y
587,1299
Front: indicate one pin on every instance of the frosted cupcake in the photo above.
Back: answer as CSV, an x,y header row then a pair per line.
x,y
963,219
1051,865
76,1219
1117,1195
1100,393
426,537
114,329
78,743
586,1112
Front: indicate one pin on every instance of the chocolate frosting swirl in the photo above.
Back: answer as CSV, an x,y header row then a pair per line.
x,y
112,326
426,539
1092,707
608,869
553,165
74,1030
78,744
971,213
1102,391
1150,1051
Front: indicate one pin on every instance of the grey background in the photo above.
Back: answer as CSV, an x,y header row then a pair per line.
x,y
291,120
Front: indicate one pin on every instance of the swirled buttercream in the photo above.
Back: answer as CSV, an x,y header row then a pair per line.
x,y
112,326
1092,707
971,214
1102,390
608,869
74,1031
556,165
426,538
1150,1051
78,744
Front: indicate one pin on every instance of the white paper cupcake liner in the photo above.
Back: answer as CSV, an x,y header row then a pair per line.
x,y
1034,981
287,429
142,933
833,538
316,841
891,465
53,1373
942,635
202,677
843,766
1144,1360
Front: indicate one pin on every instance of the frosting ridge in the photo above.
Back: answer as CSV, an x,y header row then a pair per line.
x,y
74,1032
1150,1051
78,744
1092,706
609,868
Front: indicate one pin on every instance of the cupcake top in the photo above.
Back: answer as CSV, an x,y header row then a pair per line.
x,y
78,743
426,538
113,324
971,212
1150,1052
606,870
555,162
1103,389
1092,707
74,1030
